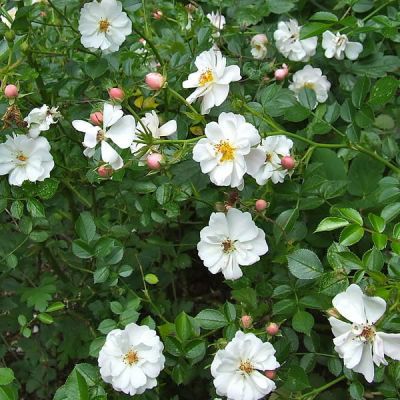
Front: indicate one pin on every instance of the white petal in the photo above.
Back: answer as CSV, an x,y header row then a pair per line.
x,y
168,128
122,132
350,304
110,156
391,344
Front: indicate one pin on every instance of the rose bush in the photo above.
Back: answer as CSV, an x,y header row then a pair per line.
x,y
199,200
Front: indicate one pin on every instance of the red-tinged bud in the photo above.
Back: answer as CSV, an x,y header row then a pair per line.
x,y
11,91
154,161
272,329
261,205
96,118
116,94
287,162
270,374
246,321
105,171
155,81
158,14
282,73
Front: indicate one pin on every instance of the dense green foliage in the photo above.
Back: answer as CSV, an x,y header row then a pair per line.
x,y
81,255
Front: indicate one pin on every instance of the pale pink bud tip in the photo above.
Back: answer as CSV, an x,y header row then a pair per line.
x,y
272,329
96,118
116,94
105,171
270,374
287,162
282,73
246,321
261,205
158,14
154,161
260,38
11,91
154,80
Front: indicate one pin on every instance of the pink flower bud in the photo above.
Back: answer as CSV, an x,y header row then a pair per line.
x,y
282,73
96,118
158,14
116,94
260,38
154,80
105,171
142,41
11,91
246,321
270,374
261,205
272,329
154,161
287,162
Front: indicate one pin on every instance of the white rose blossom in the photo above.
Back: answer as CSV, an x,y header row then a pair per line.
x,y
103,25
217,20
358,342
258,46
238,369
152,124
311,78
229,241
288,43
211,80
221,153
131,359
264,162
25,159
339,45
118,128
40,119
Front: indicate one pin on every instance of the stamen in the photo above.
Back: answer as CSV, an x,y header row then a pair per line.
x,y
104,24
206,77
131,357
226,149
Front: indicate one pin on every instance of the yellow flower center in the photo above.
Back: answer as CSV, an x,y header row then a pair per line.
x,y
268,157
131,357
246,367
100,136
206,77
228,246
309,85
21,157
104,24
226,149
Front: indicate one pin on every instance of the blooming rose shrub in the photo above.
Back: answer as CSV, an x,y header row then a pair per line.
x,y
199,200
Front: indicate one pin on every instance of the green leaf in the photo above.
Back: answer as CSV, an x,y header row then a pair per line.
x,y
211,319
183,326
107,326
81,249
101,274
331,223
45,318
350,214
360,91
380,240
324,16
303,322
17,209
96,68
356,390
285,222
313,29
76,387
305,264
195,349
351,235
308,98
96,346
6,376
151,279
35,208
383,90
58,305
296,380
85,227
377,222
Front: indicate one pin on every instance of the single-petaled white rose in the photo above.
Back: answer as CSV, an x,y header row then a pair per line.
x,y
211,80
229,241
131,359
311,78
103,25
150,124
258,46
221,153
118,128
238,370
25,159
339,45
359,343
288,43
264,162
40,119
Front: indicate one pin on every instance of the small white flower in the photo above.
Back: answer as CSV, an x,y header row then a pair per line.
x,y
40,119
339,45
288,43
311,78
229,241
358,342
211,80
238,369
25,159
11,12
131,359
152,124
217,20
264,162
104,25
258,46
118,128
221,153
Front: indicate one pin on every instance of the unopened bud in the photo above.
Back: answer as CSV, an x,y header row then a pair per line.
x,y
116,94
105,171
11,91
282,73
155,81
287,162
261,205
270,374
272,329
96,118
158,14
332,312
246,321
154,161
